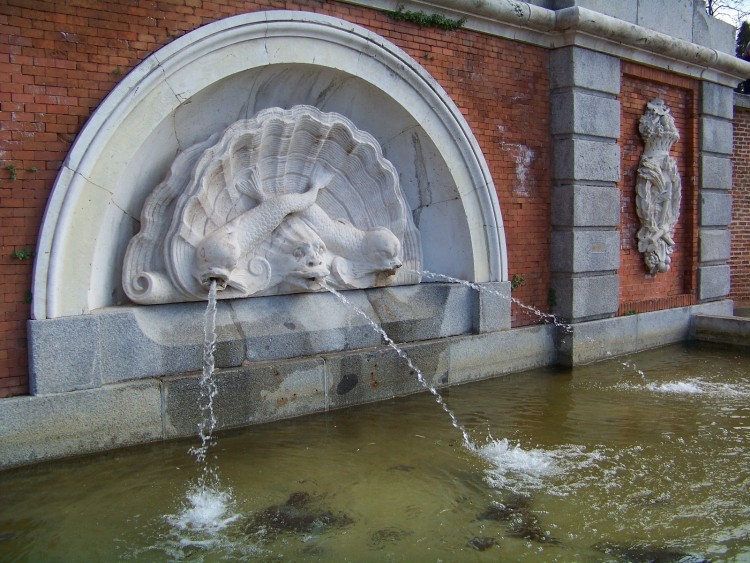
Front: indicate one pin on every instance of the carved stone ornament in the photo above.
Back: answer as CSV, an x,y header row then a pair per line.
x,y
275,204
658,188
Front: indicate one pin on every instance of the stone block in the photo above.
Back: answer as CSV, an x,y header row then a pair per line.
x,y
672,17
596,340
425,311
584,297
63,354
716,135
716,209
496,353
715,245
491,310
712,32
78,422
585,160
582,113
717,100
626,10
382,373
575,66
713,282
246,395
659,328
716,172
580,251
585,206
722,329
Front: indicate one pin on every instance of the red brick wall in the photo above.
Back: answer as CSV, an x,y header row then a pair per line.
x,y
740,227
60,59
639,290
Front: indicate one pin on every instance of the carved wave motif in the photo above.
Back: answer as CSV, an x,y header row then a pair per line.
x,y
275,204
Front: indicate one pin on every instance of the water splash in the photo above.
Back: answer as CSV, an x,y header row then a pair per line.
x,y
209,506
420,376
546,317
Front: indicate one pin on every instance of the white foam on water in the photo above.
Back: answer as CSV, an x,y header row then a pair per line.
x,y
209,511
516,468
677,387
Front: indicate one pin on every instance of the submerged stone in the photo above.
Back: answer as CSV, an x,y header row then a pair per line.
x,y
392,534
637,553
295,516
482,543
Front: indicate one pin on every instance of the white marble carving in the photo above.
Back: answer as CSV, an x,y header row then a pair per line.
x,y
658,188
279,203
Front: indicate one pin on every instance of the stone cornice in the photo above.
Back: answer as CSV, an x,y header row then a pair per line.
x,y
528,23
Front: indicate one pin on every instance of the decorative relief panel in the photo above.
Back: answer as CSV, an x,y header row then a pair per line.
x,y
658,188
279,203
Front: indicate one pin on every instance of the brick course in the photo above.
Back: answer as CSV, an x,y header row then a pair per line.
x,y
60,59
639,290
740,226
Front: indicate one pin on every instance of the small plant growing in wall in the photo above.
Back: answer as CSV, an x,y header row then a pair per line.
x,y
517,281
426,20
23,254
552,298
12,174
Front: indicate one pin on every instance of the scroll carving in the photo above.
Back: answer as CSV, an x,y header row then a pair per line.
x,y
658,188
280,203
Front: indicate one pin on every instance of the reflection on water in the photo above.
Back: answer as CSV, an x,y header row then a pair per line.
x,y
591,464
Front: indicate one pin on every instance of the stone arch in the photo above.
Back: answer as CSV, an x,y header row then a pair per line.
x,y
231,69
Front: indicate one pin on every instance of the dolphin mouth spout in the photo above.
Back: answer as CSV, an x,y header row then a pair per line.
x,y
213,275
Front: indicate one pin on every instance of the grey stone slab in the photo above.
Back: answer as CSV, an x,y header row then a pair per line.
x,y
712,32
424,311
496,353
626,10
246,395
660,328
672,17
722,329
585,160
597,340
575,66
715,245
716,209
382,373
717,100
585,206
583,113
78,422
492,307
713,282
63,354
716,135
716,172
579,251
584,297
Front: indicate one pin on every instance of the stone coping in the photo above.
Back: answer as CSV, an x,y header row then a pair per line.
x,y
581,26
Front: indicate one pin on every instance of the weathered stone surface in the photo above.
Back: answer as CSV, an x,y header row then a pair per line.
x,y
717,100
713,282
716,172
714,245
722,329
582,113
246,395
78,422
716,209
678,23
585,206
581,251
574,66
716,135
491,310
584,160
583,297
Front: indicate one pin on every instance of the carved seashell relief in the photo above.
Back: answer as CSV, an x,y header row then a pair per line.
x,y
280,203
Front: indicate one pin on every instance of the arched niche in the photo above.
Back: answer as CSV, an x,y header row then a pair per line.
x,y
230,70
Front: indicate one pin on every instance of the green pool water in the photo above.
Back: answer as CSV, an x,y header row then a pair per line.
x,y
631,459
